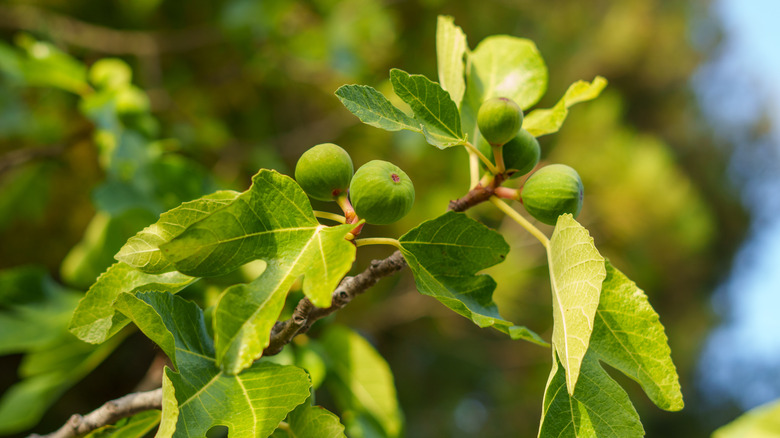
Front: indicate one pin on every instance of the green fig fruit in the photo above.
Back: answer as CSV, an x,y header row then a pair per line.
x,y
499,119
381,193
324,171
521,154
552,191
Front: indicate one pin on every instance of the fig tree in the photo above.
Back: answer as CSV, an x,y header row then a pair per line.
x,y
521,154
324,171
381,192
499,119
552,191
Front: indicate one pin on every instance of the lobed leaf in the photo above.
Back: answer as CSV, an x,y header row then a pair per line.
x,y
628,336
361,380
445,255
576,275
95,318
142,251
433,108
200,395
373,108
547,121
451,47
311,422
599,407
273,220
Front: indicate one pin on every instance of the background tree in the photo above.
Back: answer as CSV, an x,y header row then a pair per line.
x,y
238,85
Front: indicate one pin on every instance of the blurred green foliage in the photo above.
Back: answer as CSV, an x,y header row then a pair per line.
x,y
216,90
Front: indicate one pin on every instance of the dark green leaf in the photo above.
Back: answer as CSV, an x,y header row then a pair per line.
x,y
200,395
137,426
95,319
433,108
372,108
310,422
445,255
598,408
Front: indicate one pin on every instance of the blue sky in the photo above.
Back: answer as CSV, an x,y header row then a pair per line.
x,y
741,360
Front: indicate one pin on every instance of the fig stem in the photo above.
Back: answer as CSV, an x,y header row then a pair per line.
x,y
349,213
507,193
498,155
332,216
517,217
377,241
482,157
473,168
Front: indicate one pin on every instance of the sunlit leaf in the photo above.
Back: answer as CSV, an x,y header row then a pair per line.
x,y
361,380
576,274
373,108
95,319
142,250
599,407
273,220
547,121
432,106
451,47
200,395
760,422
502,66
628,336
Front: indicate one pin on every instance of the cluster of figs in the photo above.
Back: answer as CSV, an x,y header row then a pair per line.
x,y
381,193
549,192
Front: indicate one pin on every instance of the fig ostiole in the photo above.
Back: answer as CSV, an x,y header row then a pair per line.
x,y
324,172
499,119
552,191
381,193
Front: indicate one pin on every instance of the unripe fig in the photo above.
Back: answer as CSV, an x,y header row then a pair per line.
x,y
499,119
552,191
521,154
324,171
381,192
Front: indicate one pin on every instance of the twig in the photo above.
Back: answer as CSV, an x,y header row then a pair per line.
x,y
109,413
20,157
304,315
103,39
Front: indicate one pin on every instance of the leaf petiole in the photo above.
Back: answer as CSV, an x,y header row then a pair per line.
x,y
517,217
331,216
471,148
377,241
